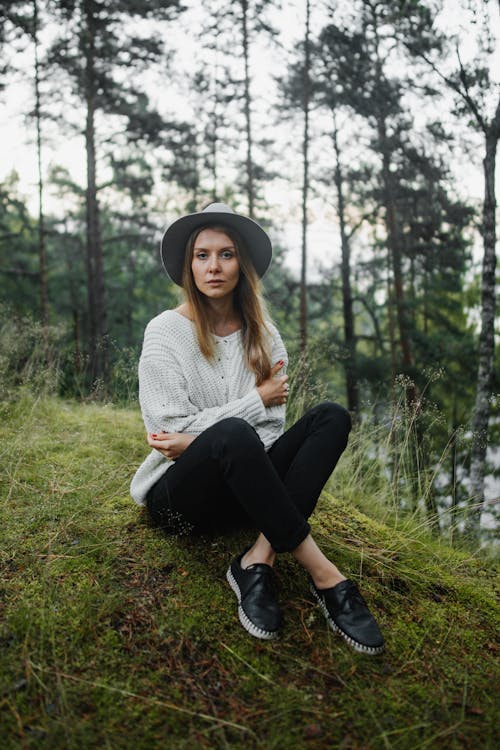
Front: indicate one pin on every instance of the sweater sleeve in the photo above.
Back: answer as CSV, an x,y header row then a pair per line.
x,y
272,425
165,405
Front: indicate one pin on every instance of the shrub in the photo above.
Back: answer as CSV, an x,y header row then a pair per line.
x,y
29,355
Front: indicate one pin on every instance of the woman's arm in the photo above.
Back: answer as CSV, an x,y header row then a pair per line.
x,y
165,405
273,422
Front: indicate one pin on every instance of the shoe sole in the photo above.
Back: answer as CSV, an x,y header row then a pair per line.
x,y
361,648
249,626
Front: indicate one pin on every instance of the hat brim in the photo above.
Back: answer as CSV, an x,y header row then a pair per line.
x,y
174,240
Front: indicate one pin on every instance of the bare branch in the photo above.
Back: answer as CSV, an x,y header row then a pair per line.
x,y
371,313
468,98
464,95
495,123
364,218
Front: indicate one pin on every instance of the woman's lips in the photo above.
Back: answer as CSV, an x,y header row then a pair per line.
x,y
216,281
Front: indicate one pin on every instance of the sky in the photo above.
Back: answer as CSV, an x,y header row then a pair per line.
x,y
18,149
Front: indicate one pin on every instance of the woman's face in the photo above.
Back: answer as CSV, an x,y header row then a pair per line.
x,y
215,267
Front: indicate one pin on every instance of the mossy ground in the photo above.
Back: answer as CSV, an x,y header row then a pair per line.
x,y
116,636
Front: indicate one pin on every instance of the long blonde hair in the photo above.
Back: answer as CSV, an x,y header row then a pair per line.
x,y
248,301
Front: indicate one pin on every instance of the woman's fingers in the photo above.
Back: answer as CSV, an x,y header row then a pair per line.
x,y
277,367
157,440
280,388
169,444
281,383
160,446
157,436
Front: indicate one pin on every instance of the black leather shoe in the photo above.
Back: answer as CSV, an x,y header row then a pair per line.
x,y
347,613
258,607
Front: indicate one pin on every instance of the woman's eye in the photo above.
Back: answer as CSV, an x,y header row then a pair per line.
x,y
227,254
201,255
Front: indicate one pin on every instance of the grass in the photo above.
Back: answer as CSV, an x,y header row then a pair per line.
x,y
114,635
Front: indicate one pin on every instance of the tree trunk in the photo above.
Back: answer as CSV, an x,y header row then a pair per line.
x,y
391,222
250,186
78,358
213,125
213,145
305,186
390,319
129,307
393,242
453,468
70,254
96,291
487,337
42,254
347,301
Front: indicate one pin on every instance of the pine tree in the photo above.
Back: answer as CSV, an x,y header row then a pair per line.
x,y
97,49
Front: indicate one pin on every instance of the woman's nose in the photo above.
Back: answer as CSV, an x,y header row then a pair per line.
x,y
214,263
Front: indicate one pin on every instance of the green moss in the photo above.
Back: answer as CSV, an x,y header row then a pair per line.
x,y
114,635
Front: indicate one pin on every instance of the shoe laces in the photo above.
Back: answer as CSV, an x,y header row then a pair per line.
x,y
353,595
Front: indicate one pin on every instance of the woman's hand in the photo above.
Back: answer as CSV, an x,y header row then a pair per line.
x,y
170,444
274,390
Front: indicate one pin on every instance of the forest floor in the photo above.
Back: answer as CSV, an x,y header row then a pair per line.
x,y
114,635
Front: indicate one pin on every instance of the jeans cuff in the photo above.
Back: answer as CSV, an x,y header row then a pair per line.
x,y
293,541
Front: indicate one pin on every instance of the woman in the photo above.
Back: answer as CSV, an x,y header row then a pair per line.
x,y
213,389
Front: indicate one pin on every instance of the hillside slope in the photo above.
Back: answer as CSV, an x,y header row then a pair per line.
x,y
114,635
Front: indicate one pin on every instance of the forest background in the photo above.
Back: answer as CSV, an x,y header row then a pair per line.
x,y
362,135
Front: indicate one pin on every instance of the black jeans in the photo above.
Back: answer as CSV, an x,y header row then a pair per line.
x,y
226,477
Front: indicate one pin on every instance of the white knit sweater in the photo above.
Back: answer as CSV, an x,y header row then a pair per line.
x,y
181,391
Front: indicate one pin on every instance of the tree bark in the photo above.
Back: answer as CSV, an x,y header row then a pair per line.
x,y
95,270
453,468
305,185
248,124
129,307
70,254
393,242
212,131
392,228
42,253
390,320
347,300
481,412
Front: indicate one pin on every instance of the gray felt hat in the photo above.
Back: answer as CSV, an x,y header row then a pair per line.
x,y
174,240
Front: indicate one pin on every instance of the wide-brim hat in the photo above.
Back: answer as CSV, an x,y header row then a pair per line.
x,y
174,240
